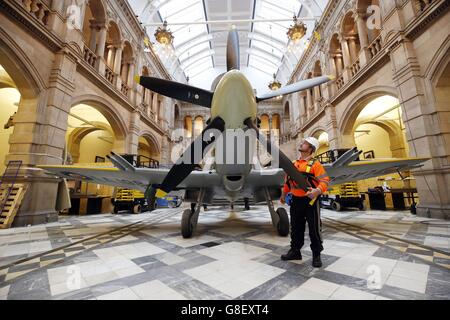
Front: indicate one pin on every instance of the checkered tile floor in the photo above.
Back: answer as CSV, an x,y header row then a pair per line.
x,y
234,255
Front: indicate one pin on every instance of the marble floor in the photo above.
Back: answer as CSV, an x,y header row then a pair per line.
x,y
372,255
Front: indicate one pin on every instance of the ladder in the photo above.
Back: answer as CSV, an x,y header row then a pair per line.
x,y
11,194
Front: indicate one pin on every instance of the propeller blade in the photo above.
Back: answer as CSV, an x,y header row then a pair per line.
x,y
177,90
233,55
295,87
284,162
181,170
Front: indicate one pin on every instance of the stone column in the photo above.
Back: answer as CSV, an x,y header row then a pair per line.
x,y
193,127
317,95
100,51
39,138
133,137
110,58
347,59
420,119
118,64
303,108
339,64
56,18
131,75
309,100
345,51
93,39
154,104
363,37
352,48
331,125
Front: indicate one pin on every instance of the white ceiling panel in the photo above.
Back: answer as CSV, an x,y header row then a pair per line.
x,y
202,48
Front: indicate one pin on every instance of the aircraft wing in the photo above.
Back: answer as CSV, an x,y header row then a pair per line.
x,y
341,172
361,170
137,179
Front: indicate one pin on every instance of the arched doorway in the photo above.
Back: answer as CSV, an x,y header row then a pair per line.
x,y
379,128
9,104
198,126
148,153
380,133
265,124
324,146
90,137
276,126
188,126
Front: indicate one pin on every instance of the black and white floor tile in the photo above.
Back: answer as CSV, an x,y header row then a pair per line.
x,y
233,255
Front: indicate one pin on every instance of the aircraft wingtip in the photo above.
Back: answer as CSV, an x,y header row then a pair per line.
x,y
137,79
331,77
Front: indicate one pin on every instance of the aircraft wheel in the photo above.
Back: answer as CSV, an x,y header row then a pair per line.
x,y
336,206
171,205
116,209
246,205
283,224
137,208
186,224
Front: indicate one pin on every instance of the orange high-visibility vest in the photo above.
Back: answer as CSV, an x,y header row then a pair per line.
x,y
312,167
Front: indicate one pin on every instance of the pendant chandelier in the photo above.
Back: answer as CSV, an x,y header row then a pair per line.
x,y
297,31
275,84
164,35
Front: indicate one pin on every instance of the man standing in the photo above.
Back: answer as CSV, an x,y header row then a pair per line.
x,y
305,206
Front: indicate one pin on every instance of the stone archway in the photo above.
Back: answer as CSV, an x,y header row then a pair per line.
x,y
111,114
77,135
149,149
354,108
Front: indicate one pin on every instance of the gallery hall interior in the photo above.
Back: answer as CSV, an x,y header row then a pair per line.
x,y
224,150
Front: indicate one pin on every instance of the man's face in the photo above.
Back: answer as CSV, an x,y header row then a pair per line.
x,y
305,147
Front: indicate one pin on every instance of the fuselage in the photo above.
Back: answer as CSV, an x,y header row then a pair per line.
x,y
234,101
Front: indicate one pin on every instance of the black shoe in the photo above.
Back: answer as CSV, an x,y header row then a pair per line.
x,y
293,254
317,262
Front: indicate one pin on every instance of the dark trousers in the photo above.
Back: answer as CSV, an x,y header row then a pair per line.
x,y
301,212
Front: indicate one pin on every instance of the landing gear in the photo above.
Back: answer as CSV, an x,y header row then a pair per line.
x,y
280,219
283,223
189,219
246,204
187,229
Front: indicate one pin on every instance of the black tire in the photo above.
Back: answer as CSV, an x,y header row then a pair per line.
x,y
336,206
283,224
186,224
246,204
116,209
137,208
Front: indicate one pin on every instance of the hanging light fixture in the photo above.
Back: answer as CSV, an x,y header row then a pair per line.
x,y
164,35
297,30
275,84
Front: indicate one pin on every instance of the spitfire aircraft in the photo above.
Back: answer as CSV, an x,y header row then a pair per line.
x,y
233,106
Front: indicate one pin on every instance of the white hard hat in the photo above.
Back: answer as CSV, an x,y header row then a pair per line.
x,y
314,142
